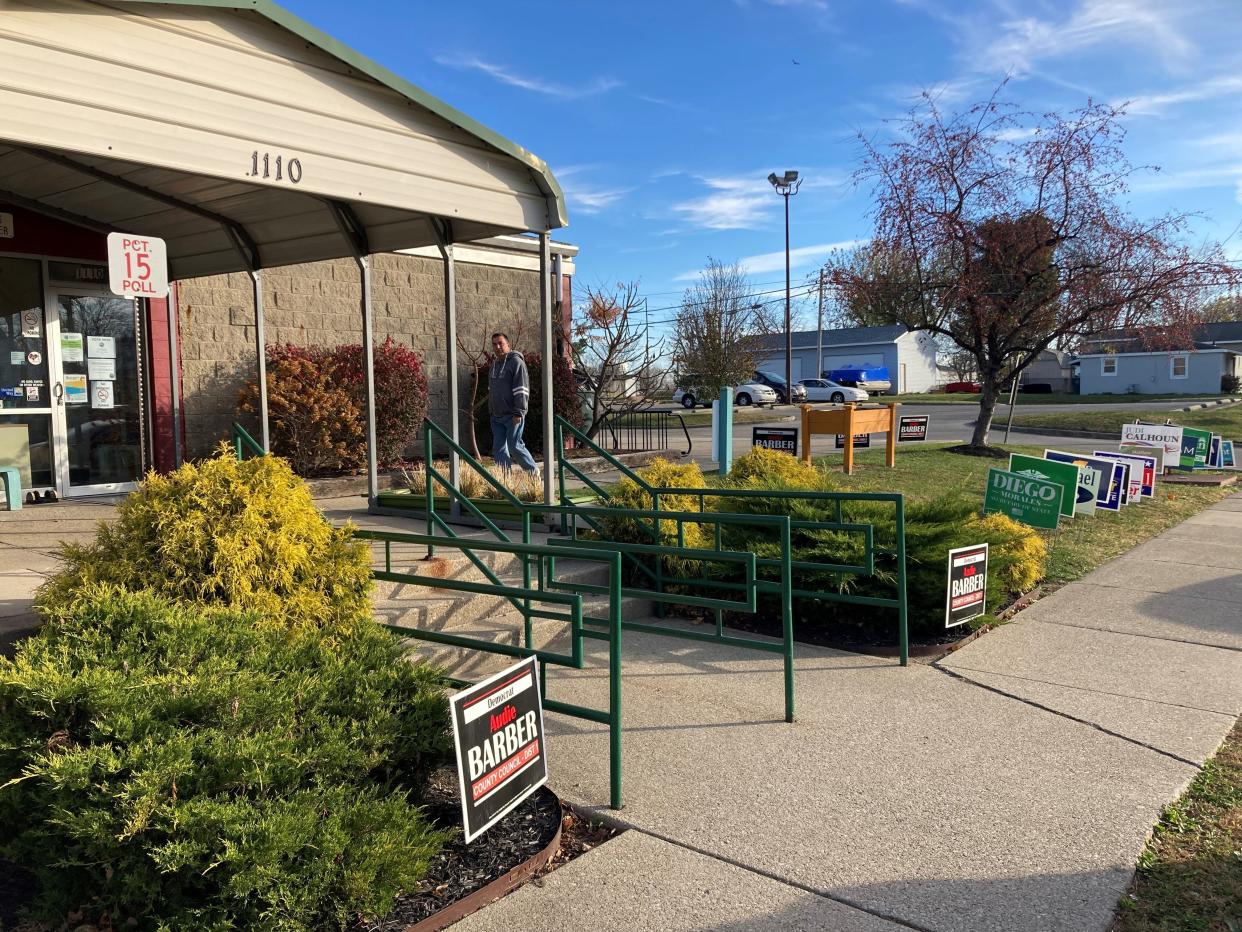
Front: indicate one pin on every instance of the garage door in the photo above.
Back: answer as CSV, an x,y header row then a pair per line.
x,y
776,365
857,360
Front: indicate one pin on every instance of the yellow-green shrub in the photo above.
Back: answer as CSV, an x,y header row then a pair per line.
x,y
1020,554
772,469
660,474
245,536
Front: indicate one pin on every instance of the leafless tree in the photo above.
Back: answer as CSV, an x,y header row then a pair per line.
x,y
718,337
613,349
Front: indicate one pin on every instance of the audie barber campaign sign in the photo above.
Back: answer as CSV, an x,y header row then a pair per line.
x,y
498,734
784,439
912,427
967,597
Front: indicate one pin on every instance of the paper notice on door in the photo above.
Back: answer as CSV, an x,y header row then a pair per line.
x,y
32,322
101,394
75,390
102,347
32,393
17,358
101,369
71,347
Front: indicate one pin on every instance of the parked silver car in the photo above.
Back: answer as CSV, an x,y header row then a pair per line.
x,y
828,390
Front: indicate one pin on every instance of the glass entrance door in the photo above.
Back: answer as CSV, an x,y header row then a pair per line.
x,y
25,386
96,392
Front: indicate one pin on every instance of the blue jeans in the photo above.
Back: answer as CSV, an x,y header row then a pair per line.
x,y
507,446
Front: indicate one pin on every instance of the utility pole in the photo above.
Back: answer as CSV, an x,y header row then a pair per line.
x,y
819,331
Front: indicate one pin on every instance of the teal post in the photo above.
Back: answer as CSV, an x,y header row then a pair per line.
x,y
724,431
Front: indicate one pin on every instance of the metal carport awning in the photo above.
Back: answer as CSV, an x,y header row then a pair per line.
x,y
247,139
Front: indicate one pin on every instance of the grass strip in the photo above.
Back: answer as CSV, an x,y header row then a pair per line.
x,y
1077,547
1190,875
1226,421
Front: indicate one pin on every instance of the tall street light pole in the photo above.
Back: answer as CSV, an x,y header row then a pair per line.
x,y
786,186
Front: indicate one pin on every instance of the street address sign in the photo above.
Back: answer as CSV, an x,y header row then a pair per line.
x,y
137,266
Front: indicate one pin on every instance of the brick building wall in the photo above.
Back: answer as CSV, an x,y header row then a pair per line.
x,y
317,304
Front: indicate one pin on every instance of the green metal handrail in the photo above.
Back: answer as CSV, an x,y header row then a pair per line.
x,y
580,625
243,443
839,499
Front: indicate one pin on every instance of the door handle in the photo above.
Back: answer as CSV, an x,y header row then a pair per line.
x,y
59,391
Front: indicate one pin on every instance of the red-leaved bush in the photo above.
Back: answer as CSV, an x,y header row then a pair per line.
x,y
316,404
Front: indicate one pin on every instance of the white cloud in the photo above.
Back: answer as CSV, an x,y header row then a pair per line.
x,y
735,203
1022,42
584,196
538,85
1237,194
767,262
1157,104
1017,133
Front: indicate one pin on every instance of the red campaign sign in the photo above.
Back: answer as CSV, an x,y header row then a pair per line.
x,y
966,596
498,736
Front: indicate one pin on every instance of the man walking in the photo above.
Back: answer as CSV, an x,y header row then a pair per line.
x,y
509,398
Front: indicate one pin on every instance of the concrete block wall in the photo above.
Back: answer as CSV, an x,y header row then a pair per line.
x,y
318,304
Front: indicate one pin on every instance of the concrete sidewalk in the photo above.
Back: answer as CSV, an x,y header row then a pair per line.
x,y
1010,787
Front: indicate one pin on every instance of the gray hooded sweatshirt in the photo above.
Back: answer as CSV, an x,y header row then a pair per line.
x,y
509,386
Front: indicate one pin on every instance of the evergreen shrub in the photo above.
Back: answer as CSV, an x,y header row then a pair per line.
x,y
239,535
169,766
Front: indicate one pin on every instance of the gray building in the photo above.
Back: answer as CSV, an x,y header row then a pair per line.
x,y
1119,363
909,356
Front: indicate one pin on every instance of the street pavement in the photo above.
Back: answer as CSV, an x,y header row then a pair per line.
x,y
1010,786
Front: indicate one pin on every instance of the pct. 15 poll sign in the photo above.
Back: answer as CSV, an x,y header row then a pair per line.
x,y
1034,502
967,595
784,439
912,427
137,266
498,734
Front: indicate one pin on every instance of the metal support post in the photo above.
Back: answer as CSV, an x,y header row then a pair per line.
x,y
450,354
174,372
260,350
819,330
545,316
368,369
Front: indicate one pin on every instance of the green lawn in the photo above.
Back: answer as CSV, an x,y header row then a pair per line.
x,y
1226,420
1053,399
700,418
1190,875
1077,547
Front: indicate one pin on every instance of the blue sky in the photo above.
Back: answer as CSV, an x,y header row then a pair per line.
x,y
662,120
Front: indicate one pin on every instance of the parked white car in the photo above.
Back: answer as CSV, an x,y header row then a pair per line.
x,y
828,390
748,393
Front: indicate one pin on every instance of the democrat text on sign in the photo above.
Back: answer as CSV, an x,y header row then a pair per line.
x,y
967,595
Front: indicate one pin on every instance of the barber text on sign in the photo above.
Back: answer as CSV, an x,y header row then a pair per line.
x,y
137,266
784,439
498,734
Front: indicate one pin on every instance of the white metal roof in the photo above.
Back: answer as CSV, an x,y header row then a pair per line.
x,y
168,119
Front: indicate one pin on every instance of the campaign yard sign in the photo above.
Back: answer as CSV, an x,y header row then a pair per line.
x,y
912,427
1142,471
1063,474
1035,502
1196,444
498,735
1149,438
1226,454
1108,487
860,440
967,595
1214,452
784,439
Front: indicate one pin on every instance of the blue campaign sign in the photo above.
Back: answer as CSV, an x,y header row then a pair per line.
x,y
1109,495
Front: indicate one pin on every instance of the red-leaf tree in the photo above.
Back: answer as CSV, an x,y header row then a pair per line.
x,y
1005,233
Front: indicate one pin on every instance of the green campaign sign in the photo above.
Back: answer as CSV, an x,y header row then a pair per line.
x,y
1063,474
1032,501
1196,444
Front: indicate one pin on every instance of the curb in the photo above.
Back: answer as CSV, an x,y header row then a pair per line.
x,y
1061,432
1220,403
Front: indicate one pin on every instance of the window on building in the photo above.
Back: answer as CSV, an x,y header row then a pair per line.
x,y
1178,367
1108,365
